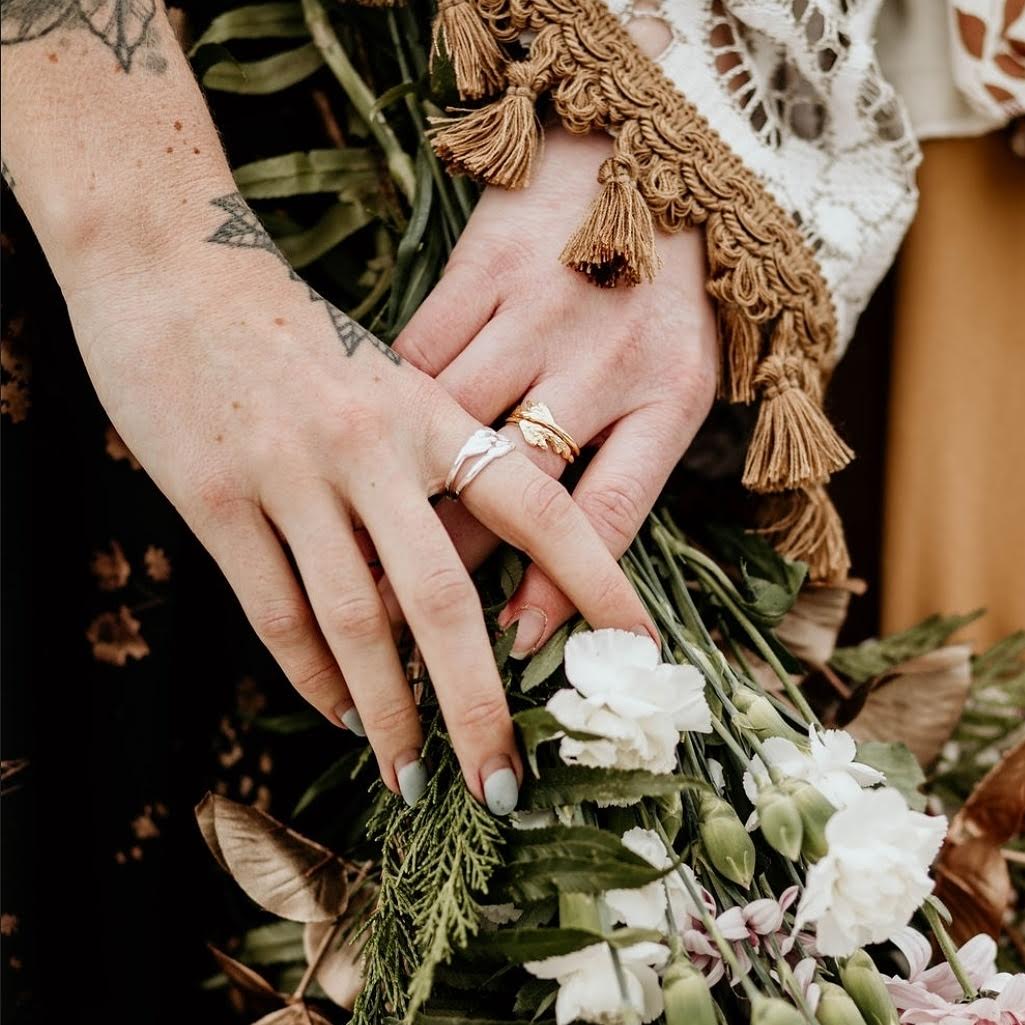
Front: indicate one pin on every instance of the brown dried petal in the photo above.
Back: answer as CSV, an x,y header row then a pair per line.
x,y
117,449
158,565
115,637
111,568
919,703
809,630
340,972
294,1014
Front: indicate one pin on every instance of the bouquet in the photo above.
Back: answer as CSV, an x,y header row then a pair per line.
x,y
698,842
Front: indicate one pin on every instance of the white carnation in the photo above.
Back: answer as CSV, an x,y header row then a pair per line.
x,y
875,874
589,988
644,907
626,696
829,765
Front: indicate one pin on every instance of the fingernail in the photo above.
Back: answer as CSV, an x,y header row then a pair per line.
x,y
531,624
646,631
412,777
353,722
501,788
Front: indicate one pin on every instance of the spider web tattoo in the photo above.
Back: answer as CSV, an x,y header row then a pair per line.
x,y
123,26
243,230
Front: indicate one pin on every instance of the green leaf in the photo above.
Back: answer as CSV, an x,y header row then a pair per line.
x,y
338,223
512,571
543,863
255,21
270,75
873,658
538,725
770,583
546,661
520,945
390,96
335,775
1002,664
574,784
409,244
300,174
295,722
535,996
900,767
276,943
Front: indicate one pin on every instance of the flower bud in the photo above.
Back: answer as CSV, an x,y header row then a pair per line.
x,y
772,1011
815,811
760,715
836,1007
866,988
780,821
687,997
727,842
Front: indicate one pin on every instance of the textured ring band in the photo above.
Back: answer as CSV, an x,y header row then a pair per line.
x,y
484,446
538,427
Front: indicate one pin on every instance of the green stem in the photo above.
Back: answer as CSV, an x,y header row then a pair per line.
x,y
326,40
939,930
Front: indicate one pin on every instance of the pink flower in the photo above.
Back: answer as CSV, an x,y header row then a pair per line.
x,y
929,995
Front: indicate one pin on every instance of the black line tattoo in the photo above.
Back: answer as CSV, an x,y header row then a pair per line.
x,y
122,25
243,230
5,172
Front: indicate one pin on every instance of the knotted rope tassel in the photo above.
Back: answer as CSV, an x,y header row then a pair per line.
x,y
805,525
616,244
793,445
477,61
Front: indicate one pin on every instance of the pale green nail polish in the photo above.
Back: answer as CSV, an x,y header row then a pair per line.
x,y
501,791
353,722
412,781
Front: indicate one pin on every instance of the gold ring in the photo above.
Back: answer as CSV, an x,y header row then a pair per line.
x,y
538,427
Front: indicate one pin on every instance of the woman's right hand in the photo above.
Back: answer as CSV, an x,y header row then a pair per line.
x,y
274,423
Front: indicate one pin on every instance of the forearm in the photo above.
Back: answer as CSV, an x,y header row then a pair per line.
x,y
106,136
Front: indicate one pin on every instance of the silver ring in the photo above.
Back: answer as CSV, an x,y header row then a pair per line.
x,y
484,446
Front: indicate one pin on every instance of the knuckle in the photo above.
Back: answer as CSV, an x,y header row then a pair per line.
x,y
615,510
219,497
484,714
357,617
281,622
443,594
317,683
387,717
547,503
362,427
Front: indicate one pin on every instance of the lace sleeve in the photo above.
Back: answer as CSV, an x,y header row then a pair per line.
x,y
765,121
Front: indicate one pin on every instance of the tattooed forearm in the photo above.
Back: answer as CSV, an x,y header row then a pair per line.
x,y
123,26
243,230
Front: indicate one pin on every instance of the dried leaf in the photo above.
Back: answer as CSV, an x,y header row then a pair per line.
x,y
285,873
158,565
251,984
972,876
809,630
294,1014
919,704
115,637
111,568
340,972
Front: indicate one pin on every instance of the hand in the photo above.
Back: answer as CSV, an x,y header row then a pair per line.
x,y
633,369
229,380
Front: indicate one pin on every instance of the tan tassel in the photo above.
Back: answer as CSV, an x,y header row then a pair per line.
x,y
497,144
793,445
741,339
806,526
477,60
616,244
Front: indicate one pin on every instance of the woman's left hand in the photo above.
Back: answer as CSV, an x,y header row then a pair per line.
x,y
631,368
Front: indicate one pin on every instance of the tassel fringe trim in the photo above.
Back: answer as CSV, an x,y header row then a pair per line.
x,y
671,170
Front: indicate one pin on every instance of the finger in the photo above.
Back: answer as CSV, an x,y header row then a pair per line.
x,y
616,493
443,610
355,625
535,513
251,558
490,376
460,304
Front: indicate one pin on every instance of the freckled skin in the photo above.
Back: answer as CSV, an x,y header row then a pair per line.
x,y
170,149
280,321
195,149
177,126
52,58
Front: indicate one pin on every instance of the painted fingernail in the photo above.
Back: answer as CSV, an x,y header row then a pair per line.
x,y
501,788
531,624
353,722
412,777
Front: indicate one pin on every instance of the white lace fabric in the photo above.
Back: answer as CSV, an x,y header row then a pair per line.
x,y
793,87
